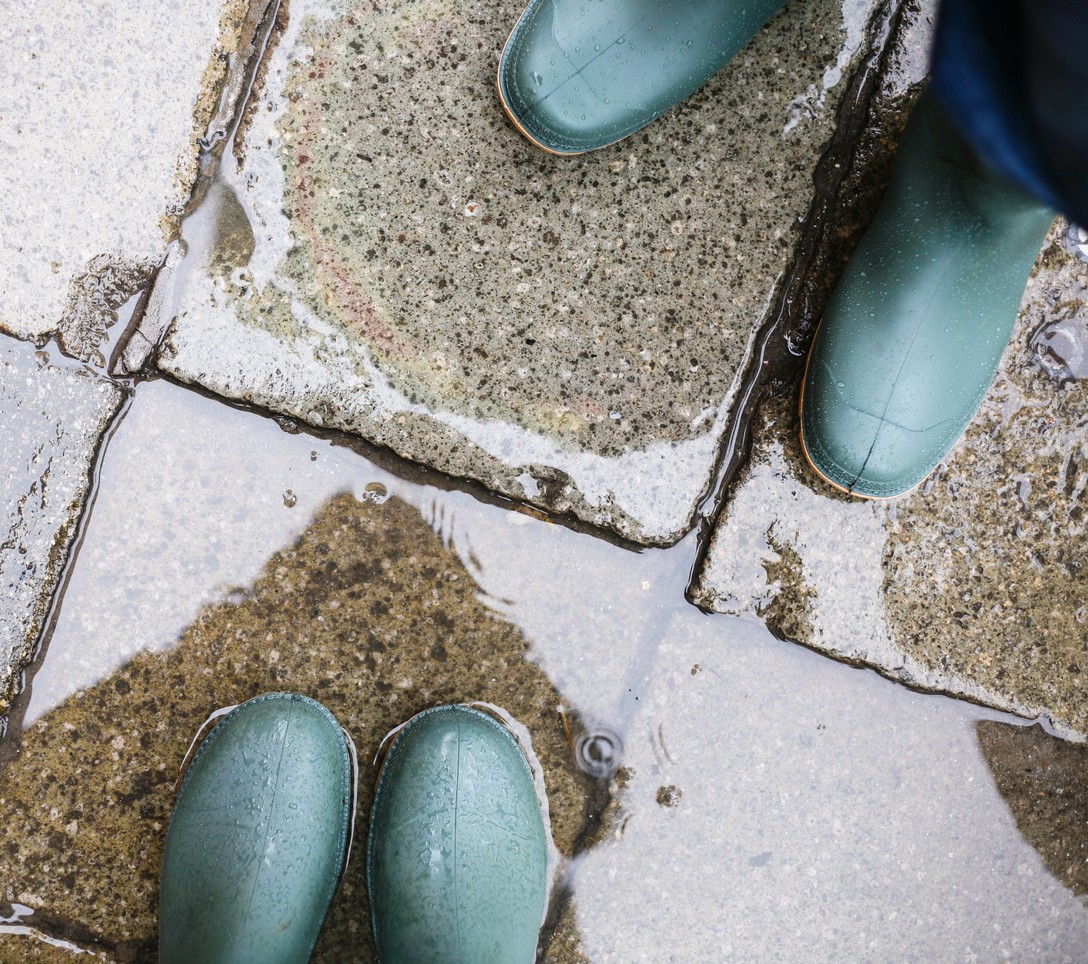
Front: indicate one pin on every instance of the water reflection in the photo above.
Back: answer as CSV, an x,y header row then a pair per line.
x,y
365,610
768,803
183,520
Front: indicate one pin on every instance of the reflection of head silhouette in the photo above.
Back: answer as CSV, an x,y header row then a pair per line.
x,y
368,612
1044,781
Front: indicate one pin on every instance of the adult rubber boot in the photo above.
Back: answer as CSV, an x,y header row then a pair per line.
x,y
576,75
457,855
913,334
257,839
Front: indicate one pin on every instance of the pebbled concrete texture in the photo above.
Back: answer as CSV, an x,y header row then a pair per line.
x,y
100,114
53,420
381,252
974,584
771,804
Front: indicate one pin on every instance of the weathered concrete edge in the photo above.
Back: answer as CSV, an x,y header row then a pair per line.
x,y
777,349
62,551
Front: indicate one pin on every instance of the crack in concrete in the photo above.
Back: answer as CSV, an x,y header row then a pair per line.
x,y
781,345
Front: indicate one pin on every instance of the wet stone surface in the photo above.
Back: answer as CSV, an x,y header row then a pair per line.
x,y
1044,781
974,584
860,823
52,421
102,108
380,251
388,256
754,774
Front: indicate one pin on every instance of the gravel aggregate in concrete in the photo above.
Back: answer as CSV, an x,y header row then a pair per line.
x,y
974,584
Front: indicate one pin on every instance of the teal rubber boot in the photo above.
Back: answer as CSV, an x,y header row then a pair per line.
x,y
457,856
576,75
257,839
913,334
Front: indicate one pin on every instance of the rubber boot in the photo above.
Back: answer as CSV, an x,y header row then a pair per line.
x,y
257,839
576,75
457,855
912,336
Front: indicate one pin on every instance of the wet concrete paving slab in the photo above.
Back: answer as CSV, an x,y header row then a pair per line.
x,y
974,584
53,420
379,251
101,108
753,775
777,808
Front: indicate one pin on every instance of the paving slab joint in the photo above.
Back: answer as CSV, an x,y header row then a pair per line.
x,y
781,344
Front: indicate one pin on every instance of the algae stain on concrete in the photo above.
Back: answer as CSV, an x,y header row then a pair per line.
x,y
367,612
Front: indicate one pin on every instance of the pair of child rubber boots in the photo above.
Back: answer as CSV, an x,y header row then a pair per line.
x,y
912,337
457,851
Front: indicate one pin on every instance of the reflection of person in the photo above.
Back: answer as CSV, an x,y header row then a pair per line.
x,y
913,334
456,856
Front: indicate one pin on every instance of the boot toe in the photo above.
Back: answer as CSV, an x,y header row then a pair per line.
x,y
457,853
873,456
543,86
576,76
256,841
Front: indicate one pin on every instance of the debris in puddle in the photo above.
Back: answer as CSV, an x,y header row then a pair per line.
x,y
669,796
1061,348
373,492
1076,240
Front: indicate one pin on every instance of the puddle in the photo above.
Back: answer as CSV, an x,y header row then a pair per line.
x,y
768,802
53,418
714,793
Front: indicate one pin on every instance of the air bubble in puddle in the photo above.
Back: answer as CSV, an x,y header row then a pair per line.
x,y
290,499
373,492
598,753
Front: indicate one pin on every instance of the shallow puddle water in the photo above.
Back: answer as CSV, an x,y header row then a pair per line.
x,y
735,797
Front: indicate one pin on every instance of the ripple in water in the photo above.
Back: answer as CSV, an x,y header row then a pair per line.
x,y
598,753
